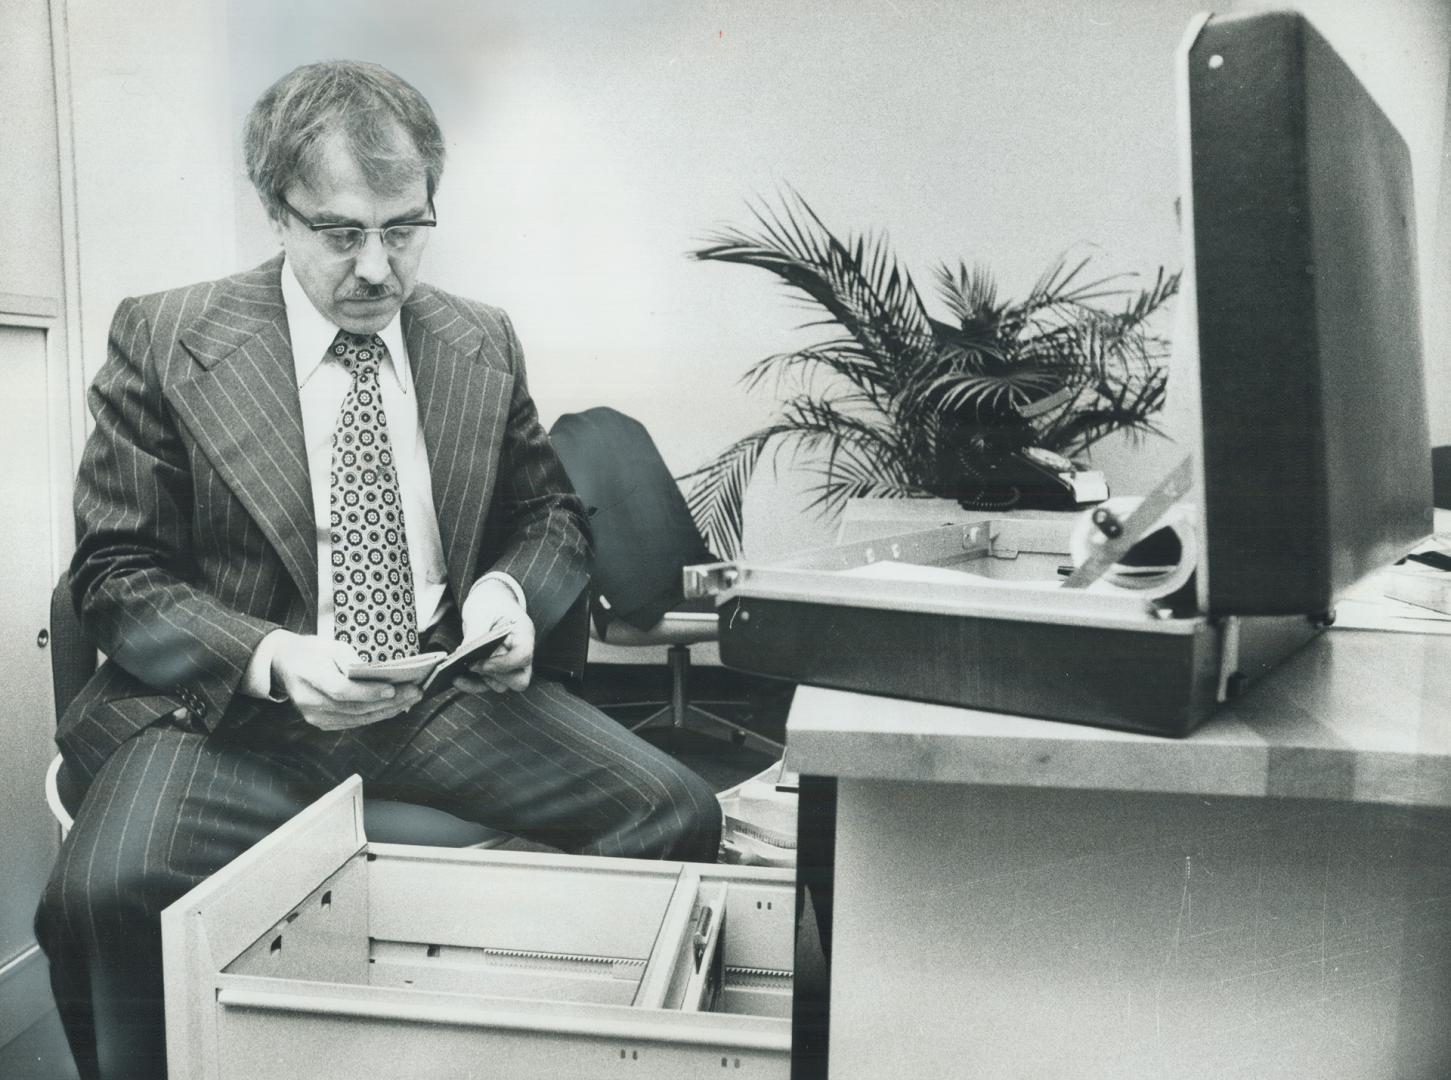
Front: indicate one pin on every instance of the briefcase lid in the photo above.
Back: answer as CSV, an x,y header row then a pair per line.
x,y
1300,269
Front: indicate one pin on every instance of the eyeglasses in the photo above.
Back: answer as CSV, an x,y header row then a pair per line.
x,y
343,240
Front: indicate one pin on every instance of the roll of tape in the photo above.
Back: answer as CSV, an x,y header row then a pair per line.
x,y
1159,564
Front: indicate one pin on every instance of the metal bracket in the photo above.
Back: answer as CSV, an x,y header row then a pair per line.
x,y
710,579
939,546
1120,536
945,544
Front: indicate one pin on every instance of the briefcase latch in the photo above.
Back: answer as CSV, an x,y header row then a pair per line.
x,y
710,579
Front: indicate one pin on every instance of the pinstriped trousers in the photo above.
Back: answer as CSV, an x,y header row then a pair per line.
x,y
171,807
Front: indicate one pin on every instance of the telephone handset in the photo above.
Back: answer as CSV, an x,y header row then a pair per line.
x,y
1029,478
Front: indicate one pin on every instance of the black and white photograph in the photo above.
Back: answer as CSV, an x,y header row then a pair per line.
x,y
671,539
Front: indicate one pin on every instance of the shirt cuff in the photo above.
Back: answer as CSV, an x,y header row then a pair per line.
x,y
257,682
502,578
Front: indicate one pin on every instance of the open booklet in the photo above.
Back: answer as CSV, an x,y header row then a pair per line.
x,y
435,670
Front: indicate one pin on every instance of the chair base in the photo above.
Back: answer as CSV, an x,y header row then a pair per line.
x,y
680,715
707,723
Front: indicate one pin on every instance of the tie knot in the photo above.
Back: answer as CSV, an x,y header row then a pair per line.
x,y
359,353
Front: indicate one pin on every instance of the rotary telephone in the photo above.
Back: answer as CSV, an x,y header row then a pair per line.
x,y
1028,478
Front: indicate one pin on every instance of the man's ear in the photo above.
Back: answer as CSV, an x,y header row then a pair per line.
x,y
276,221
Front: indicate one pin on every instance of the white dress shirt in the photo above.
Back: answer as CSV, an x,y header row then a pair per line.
x,y
322,384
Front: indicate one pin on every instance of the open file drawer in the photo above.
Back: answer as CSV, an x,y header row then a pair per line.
x,y
316,954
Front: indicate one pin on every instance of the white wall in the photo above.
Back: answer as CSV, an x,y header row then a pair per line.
x,y
593,145
153,160
29,262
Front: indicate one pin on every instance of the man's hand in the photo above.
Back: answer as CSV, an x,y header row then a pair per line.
x,y
310,671
491,604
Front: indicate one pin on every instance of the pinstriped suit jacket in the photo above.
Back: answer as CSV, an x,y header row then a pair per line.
x,y
195,530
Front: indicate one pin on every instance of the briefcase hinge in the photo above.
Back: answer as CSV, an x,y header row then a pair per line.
x,y
1228,677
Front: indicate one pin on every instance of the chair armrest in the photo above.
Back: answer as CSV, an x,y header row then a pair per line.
x,y
674,628
52,795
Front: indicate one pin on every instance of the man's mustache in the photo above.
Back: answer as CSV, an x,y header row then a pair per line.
x,y
371,292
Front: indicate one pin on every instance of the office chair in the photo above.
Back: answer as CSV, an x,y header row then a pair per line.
x,y
560,654
643,536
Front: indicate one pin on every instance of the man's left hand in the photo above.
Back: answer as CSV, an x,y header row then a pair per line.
x,y
492,604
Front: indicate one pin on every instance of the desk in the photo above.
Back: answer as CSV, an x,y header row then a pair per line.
x,y
1268,898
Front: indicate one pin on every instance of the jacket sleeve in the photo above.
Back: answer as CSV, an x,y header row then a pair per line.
x,y
535,530
132,573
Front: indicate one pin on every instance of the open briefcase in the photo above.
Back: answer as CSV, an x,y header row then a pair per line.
x,y
1313,465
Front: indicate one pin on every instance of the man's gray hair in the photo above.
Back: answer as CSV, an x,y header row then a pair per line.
x,y
367,104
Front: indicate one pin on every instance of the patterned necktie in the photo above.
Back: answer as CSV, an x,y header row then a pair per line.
x,y
373,609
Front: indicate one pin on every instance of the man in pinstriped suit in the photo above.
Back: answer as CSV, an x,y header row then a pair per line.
x,y
207,536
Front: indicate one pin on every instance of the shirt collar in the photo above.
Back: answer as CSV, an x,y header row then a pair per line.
x,y
312,335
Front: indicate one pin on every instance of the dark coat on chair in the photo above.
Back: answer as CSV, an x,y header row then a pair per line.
x,y
642,528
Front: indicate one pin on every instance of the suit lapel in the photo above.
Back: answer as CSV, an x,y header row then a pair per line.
x,y
463,407
242,408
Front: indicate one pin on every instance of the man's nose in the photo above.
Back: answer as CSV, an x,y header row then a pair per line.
x,y
371,262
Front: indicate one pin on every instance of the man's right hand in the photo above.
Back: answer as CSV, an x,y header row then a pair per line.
x,y
310,671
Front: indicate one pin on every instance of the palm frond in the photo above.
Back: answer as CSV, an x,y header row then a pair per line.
x,y
840,359
1150,300
716,494
1056,288
971,295
853,469
1109,407
991,394
856,282
815,421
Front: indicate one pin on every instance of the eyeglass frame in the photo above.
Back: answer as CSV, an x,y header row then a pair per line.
x,y
337,228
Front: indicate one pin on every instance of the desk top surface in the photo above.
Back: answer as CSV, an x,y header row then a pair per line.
x,y
1357,715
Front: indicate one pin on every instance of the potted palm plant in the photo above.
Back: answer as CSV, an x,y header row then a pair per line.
x,y
896,402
